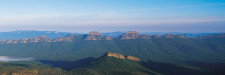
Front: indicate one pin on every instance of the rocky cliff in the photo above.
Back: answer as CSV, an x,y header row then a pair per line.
x,y
69,38
41,38
111,54
132,58
96,36
134,35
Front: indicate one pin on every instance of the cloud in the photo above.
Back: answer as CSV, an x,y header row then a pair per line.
x,y
10,59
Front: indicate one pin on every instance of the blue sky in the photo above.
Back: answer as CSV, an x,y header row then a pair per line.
x,y
113,15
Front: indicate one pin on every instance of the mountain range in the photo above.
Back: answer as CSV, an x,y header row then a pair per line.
x,y
54,34
131,53
90,36
167,47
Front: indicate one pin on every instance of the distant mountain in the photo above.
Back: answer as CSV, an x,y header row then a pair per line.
x,y
133,35
69,38
29,34
53,34
165,48
213,36
90,36
96,36
96,54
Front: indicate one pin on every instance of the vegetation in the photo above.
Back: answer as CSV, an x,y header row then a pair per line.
x,y
168,56
160,50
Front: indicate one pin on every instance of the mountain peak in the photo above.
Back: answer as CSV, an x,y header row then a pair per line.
x,y
168,36
130,35
131,32
94,33
134,35
43,36
180,36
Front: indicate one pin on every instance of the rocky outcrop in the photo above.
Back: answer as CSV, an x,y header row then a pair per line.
x,y
168,36
180,36
25,40
9,41
94,33
90,36
41,38
130,35
132,58
134,35
96,36
111,54
67,38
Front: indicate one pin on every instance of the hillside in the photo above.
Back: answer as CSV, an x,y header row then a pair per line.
x,y
166,48
112,64
108,64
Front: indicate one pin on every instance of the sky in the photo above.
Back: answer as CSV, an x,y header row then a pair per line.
x,y
113,15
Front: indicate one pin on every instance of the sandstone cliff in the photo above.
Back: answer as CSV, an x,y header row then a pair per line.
x,y
111,54
134,35
41,38
96,36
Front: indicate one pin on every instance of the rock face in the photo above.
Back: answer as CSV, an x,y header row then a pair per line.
x,y
180,36
23,40
9,41
133,35
41,38
90,36
111,54
132,58
94,33
168,36
96,36
67,38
